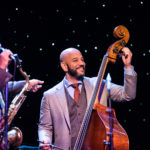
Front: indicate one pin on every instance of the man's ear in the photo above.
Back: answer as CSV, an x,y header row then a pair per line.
x,y
64,66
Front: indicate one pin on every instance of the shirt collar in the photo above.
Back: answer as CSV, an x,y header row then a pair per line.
x,y
68,83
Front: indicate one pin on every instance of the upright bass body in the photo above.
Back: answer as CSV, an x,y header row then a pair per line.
x,y
99,134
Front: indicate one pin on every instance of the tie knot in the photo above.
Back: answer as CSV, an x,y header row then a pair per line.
x,y
75,85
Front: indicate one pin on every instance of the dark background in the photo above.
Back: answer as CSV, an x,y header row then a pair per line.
x,y
38,32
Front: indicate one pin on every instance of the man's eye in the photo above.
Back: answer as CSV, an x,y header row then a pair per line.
x,y
74,60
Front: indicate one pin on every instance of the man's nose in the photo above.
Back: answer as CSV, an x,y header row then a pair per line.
x,y
82,63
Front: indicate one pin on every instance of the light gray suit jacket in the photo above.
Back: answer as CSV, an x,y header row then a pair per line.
x,y
54,124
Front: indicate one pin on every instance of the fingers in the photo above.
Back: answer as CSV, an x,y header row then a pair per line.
x,y
35,82
45,146
127,52
40,82
127,57
35,85
36,88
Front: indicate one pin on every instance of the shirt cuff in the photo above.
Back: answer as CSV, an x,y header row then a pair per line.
x,y
130,71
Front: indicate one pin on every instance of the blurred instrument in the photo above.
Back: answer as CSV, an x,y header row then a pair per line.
x,y
15,135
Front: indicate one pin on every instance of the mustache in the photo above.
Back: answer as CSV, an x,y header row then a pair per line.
x,y
81,66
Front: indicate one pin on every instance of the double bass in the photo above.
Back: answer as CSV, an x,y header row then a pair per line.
x,y
100,129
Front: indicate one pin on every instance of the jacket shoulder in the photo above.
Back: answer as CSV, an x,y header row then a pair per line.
x,y
90,80
54,89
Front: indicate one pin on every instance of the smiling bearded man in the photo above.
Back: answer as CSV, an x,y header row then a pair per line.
x,y
63,106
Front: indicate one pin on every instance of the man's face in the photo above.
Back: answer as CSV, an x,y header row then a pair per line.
x,y
75,64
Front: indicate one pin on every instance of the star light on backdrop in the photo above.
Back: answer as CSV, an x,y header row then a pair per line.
x,y
38,35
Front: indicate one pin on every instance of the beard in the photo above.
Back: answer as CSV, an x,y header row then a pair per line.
x,y
74,73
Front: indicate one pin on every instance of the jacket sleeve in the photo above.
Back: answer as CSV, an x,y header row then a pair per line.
x,y
45,127
125,92
15,86
4,78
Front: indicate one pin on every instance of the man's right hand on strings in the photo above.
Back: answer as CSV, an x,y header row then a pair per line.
x,y
45,146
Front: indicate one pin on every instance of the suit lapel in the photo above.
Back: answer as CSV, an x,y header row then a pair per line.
x,y
88,89
63,102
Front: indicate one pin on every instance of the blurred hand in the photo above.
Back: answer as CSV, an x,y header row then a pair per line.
x,y
127,57
45,146
35,85
5,58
